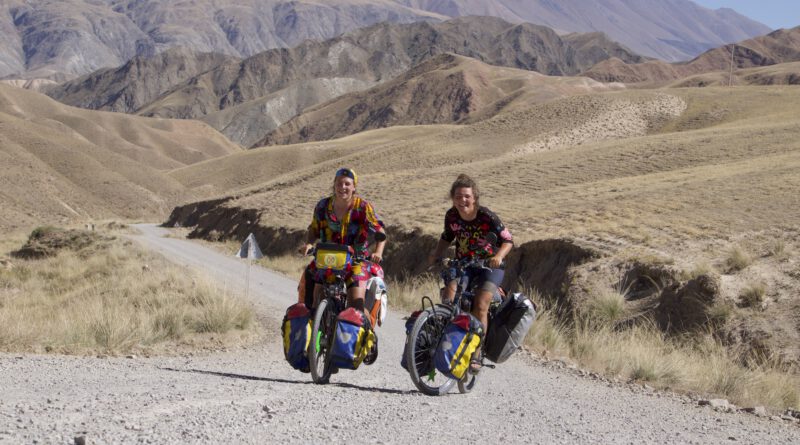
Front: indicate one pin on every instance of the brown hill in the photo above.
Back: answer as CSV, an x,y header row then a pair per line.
x,y
780,74
65,164
781,46
443,90
664,184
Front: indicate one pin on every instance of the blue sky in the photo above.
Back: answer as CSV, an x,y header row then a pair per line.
x,y
773,13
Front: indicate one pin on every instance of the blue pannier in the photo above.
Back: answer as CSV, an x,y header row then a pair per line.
x,y
352,341
461,338
296,333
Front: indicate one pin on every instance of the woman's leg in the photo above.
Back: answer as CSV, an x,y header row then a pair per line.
x,y
487,286
488,282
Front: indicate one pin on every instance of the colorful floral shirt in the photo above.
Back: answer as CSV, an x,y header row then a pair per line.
x,y
470,236
352,230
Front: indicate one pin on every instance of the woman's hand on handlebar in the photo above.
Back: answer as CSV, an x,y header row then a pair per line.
x,y
495,262
305,249
376,258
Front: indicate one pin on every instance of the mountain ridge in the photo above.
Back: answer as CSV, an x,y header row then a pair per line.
x,y
314,72
69,38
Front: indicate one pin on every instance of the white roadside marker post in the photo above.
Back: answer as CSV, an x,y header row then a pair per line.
x,y
249,251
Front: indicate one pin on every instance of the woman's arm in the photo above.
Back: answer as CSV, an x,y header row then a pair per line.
x,y
500,255
311,236
377,256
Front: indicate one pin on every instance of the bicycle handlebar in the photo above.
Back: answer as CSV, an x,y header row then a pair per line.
x,y
463,263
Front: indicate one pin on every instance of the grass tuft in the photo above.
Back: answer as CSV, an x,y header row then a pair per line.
x,y
606,309
699,269
737,259
753,295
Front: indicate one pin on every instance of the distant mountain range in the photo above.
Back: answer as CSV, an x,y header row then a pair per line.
x,y
60,40
246,99
782,46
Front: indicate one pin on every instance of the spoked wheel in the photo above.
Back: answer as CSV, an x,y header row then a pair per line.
x,y
423,340
321,340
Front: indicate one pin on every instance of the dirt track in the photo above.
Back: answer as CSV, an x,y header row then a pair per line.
x,y
252,396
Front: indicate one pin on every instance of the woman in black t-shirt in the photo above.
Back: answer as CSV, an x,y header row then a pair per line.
x,y
469,225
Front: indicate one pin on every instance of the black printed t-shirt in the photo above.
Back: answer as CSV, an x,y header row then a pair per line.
x,y
470,236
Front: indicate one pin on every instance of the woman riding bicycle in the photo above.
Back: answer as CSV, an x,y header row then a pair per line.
x,y
345,218
469,224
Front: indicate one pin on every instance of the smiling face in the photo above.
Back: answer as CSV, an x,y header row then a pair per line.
x,y
344,188
464,202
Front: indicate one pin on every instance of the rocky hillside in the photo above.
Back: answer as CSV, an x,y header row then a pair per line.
x,y
247,99
68,38
781,46
138,82
446,89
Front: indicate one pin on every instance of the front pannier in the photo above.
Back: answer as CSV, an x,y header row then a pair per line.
x,y
461,338
296,333
511,322
353,339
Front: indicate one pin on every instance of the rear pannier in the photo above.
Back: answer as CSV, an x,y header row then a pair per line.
x,y
461,338
511,322
296,333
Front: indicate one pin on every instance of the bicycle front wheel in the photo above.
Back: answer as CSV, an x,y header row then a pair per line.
x,y
421,344
322,332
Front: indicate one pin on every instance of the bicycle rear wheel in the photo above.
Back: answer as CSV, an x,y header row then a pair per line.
x,y
422,341
322,331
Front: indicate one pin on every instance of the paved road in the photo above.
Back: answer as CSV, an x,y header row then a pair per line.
x,y
251,396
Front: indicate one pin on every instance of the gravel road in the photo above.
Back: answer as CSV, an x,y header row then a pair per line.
x,y
251,395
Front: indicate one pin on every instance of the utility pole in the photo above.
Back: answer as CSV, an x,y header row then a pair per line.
x,y
730,77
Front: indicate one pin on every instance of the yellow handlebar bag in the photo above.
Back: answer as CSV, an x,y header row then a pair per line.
x,y
331,256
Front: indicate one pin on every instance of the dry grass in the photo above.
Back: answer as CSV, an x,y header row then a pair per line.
x,y
114,300
605,309
406,294
737,259
753,295
290,265
700,268
641,353
645,354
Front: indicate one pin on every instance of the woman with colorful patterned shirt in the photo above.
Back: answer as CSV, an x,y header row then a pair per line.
x,y
469,225
347,219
